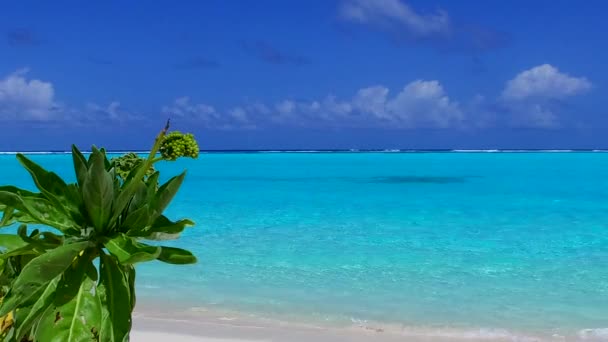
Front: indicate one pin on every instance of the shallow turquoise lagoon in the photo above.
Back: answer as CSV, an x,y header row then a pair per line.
x,y
513,241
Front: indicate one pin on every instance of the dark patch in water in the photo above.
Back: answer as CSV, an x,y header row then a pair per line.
x,y
418,179
379,179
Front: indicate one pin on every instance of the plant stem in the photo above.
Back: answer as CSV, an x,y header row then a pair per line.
x,y
151,157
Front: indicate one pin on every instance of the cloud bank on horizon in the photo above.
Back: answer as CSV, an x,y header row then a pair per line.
x,y
528,98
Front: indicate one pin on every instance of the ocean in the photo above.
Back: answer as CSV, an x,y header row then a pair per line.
x,y
488,244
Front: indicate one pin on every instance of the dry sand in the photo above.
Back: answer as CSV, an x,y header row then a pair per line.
x,y
148,328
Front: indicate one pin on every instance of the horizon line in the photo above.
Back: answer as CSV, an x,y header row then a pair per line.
x,y
430,150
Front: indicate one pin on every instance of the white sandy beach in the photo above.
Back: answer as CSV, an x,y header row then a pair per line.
x,y
206,328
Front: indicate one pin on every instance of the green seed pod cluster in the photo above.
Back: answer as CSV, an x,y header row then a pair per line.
x,y
177,144
126,163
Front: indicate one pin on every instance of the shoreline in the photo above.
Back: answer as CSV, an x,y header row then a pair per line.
x,y
155,325
164,329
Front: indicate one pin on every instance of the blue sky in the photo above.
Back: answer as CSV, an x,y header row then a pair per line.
x,y
305,74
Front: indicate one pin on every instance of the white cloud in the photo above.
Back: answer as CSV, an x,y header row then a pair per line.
x,y
239,114
182,107
23,99
285,107
419,104
528,100
259,107
532,98
372,100
332,108
538,116
208,116
544,82
424,104
396,13
93,112
27,99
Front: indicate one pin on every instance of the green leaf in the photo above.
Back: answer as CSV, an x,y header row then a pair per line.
x,y
178,256
106,161
130,274
139,198
7,216
49,184
163,228
127,192
117,297
9,242
80,165
98,191
45,296
74,195
163,225
18,191
29,249
152,181
78,320
128,251
72,277
36,244
38,210
51,238
39,272
165,194
137,220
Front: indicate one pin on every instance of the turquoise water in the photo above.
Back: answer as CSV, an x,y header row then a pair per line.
x,y
514,241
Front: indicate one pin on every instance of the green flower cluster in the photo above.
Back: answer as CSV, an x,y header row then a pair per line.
x,y
177,144
126,163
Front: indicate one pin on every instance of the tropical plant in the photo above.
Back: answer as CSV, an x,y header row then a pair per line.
x,y
74,278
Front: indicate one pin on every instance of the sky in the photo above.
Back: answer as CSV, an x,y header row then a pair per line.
x,y
317,74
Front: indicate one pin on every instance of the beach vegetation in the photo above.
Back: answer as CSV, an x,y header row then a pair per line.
x,y
71,277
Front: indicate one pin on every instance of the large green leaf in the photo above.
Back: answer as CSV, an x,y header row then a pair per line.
x,y
78,320
9,242
39,272
38,210
117,297
128,251
98,191
50,184
80,165
81,268
45,297
137,220
178,256
127,192
165,194
45,181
